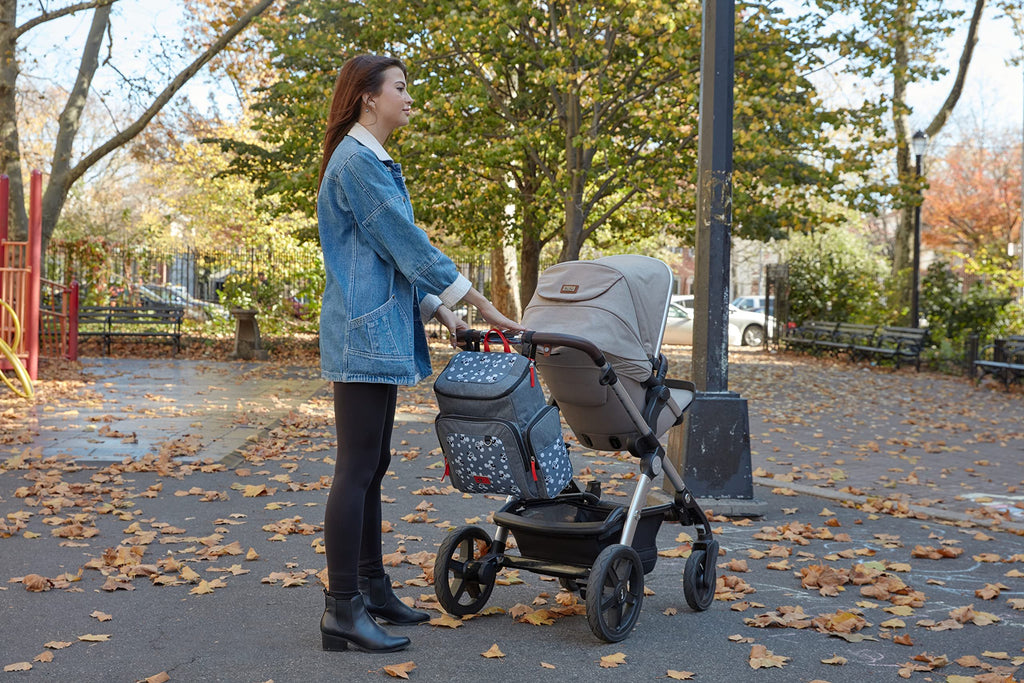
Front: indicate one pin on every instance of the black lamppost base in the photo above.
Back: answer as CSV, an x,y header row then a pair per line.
x,y
715,454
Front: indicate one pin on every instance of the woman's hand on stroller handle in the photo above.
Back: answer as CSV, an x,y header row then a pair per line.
x,y
489,312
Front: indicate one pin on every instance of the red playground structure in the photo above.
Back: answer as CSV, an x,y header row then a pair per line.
x,y
43,308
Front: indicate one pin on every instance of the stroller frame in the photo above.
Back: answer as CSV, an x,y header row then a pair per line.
x,y
598,551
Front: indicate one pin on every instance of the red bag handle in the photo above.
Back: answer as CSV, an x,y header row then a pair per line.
x,y
487,346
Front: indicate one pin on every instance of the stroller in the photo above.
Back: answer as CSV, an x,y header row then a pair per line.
x,y
595,331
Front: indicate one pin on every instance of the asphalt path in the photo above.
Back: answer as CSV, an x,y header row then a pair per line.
x,y
223,582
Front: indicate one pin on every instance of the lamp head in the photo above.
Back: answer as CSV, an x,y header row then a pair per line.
x,y
919,142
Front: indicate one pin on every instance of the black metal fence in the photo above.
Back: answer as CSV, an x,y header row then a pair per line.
x,y
111,270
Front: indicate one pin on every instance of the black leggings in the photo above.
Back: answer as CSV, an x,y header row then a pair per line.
x,y
364,415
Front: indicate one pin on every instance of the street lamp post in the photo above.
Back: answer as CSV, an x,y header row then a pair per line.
x,y
918,143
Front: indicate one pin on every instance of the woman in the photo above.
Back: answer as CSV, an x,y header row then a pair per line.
x,y
383,279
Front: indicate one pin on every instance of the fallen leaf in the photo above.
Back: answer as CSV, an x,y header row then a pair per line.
x,y
18,666
446,620
399,670
34,583
95,638
680,675
493,652
101,616
612,661
161,677
763,658
835,660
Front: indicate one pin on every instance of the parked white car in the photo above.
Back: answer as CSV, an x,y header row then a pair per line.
x,y
745,328
753,303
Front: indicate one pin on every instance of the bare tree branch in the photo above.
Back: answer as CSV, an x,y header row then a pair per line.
x,y
57,14
164,97
958,85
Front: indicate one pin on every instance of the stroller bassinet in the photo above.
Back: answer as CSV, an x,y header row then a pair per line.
x,y
595,334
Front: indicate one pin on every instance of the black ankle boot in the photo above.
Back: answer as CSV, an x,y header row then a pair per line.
x,y
346,622
381,602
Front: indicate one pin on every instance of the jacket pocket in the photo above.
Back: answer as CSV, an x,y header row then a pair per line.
x,y
384,334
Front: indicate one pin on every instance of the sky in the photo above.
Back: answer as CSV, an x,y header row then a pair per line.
x,y
993,98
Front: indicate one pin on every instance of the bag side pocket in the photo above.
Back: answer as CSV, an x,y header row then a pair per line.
x,y
544,437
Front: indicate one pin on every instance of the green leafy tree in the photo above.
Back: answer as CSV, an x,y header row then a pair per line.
x,y
833,275
561,123
955,311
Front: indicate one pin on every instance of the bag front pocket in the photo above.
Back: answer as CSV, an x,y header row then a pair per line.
x,y
485,456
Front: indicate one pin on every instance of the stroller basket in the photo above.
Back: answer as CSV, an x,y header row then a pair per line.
x,y
574,529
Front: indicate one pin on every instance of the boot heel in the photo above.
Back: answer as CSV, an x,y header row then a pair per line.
x,y
332,643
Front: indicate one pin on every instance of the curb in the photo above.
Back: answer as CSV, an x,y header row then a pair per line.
x,y
929,512
235,458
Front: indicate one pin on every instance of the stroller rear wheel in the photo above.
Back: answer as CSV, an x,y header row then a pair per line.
x,y
699,577
465,571
615,592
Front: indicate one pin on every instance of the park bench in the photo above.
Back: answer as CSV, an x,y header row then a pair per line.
x,y
850,336
108,322
810,335
898,344
1003,358
894,343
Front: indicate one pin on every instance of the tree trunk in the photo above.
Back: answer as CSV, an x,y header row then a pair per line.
x,y
572,236
529,263
530,244
903,246
504,278
70,121
902,243
10,147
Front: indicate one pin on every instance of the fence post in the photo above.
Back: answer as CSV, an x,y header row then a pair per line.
x,y
35,267
73,321
971,353
5,197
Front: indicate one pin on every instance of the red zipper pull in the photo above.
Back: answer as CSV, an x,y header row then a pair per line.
x,y
533,467
533,375
445,469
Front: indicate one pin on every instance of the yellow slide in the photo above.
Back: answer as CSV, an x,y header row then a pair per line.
x,y
7,352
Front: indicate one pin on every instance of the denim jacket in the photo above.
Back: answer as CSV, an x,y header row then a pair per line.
x,y
383,275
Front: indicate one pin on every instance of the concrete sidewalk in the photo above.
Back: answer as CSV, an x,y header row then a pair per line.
x,y
203,566
190,409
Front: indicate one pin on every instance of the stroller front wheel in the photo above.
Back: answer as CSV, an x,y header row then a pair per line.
x,y
615,593
699,578
465,571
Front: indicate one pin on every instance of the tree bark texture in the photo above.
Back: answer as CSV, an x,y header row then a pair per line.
x,y
10,148
504,276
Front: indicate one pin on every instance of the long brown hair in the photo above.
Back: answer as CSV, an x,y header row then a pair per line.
x,y
359,75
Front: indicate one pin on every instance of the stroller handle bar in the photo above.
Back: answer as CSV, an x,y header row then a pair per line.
x,y
533,338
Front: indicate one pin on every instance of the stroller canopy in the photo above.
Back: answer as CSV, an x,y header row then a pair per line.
x,y
617,302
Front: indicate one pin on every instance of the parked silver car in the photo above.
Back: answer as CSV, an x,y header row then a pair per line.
x,y
745,328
